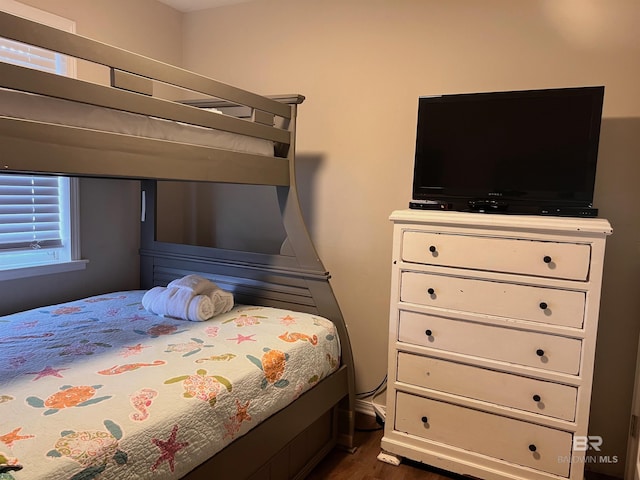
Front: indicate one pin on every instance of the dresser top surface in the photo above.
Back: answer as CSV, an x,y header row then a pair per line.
x,y
595,226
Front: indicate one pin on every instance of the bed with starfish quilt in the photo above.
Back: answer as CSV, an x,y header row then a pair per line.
x,y
101,388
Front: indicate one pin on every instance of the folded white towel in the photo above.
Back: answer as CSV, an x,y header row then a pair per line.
x,y
171,302
195,283
192,297
174,302
178,303
150,297
198,285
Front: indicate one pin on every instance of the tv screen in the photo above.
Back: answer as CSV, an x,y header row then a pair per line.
x,y
532,151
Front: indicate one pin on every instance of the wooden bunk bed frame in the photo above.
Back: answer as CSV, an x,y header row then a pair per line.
x,y
292,441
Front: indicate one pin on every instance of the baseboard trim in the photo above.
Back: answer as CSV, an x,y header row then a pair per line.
x,y
364,407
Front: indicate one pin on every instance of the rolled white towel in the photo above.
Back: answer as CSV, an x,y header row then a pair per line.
x,y
198,285
222,301
178,303
200,309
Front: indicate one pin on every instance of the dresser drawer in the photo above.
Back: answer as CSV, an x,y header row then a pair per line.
x,y
527,257
540,350
537,396
537,304
505,438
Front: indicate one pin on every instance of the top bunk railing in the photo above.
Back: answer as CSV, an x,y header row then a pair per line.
x,y
132,78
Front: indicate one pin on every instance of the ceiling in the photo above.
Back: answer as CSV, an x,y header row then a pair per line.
x,y
194,5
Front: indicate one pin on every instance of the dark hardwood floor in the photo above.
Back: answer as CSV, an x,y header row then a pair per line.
x,y
364,464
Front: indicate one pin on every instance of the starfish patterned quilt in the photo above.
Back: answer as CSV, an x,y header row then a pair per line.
x,y
101,388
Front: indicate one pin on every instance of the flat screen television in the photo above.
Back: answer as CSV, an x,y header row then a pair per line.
x,y
523,152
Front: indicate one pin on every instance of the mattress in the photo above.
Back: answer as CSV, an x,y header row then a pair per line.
x,y
30,106
101,388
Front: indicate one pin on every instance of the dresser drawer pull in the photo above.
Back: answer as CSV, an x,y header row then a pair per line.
x,y
536,398
543,305
547,259
425,419
428,333
433,249
431,291
540,352
532,448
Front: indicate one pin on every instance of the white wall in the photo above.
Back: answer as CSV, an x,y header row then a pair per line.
x,y
362,65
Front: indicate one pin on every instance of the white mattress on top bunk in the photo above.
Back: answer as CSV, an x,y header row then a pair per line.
x,y
100,387
41,108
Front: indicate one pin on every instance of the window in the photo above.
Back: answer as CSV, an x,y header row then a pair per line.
x,y
38,214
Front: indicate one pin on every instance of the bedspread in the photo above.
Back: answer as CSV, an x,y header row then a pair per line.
x,y
101,388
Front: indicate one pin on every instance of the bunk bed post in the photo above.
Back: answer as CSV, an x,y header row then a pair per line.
x,y
300,242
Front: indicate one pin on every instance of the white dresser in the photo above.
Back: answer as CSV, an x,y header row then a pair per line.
x,y
492,338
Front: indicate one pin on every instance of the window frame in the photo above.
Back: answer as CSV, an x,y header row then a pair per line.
x,y
69,196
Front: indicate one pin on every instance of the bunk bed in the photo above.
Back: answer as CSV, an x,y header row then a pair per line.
x,y
122,130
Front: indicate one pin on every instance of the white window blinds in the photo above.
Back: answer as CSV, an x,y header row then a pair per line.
x,y
29,212
32,57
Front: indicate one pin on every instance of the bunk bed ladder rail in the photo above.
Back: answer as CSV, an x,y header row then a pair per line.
x,y
32,146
